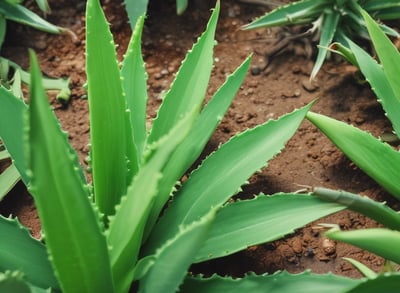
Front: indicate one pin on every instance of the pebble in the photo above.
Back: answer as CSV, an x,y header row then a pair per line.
x,y
310,85
328,246
255,70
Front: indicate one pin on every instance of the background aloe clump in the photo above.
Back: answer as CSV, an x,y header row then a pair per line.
x,y
374,156
330,20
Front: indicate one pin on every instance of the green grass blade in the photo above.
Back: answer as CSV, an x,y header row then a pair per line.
x,y
107,112
328,30
125,240
134,78
276,283
173,259
362,268
135,9
383,242
190,149
79,256
181,6
383,283
221,175
363,205
375,158
19,251
8,178
238,225
12,111
24,16
190,85
293,13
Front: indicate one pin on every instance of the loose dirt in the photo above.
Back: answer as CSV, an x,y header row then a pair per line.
x,y
309,158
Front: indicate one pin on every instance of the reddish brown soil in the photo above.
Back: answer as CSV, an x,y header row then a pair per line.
x,y
309,158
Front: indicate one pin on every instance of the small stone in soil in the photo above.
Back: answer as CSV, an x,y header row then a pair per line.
x,y
255,70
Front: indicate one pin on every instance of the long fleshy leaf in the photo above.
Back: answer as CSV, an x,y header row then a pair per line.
x,y
383,283
181,6
221,175
13,282
19,251
362,204
187,152
134,83
173,259
125,240
12,111
135,9
390,59
276,283
8,178
23,15
375,75
189,87
293,13
79,256
238,225
374,157
107,112
383,242
328,30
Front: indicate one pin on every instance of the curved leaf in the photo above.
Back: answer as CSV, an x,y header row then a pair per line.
x,y
383,242
223,172
107,112
79,256
173,259
238,225
19,251
377,159
383,283
276,283
188,90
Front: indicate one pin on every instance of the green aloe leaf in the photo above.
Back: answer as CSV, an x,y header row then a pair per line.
x,y
24,16
181,6
189,87
8,178
134,78
107,112
135,9
13,282
24,253
172,260
363,205
377,159
125,240
383,242
376,76
221,175
276,283
238,224
328,30
362,268
12,111
190,149
79,256
293,13
382,283
390,59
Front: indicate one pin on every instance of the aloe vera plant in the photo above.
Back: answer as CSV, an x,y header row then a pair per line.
x,y
330,20
103,236
375,157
